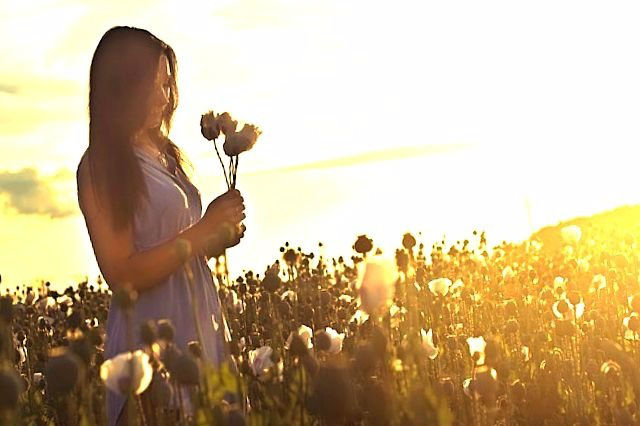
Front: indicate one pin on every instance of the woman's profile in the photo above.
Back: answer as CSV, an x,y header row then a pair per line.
x,y
138,202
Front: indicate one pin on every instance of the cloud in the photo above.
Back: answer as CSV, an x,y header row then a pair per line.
x,y
372,157
10,89
29,193
31,100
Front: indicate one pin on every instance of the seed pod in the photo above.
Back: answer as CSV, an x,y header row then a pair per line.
x,y
148,332
166,331
186,370
62,372
195,349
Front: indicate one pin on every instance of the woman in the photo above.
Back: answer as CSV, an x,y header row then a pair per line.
x,y
138,202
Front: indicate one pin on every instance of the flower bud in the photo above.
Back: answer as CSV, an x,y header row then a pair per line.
x,y
408,241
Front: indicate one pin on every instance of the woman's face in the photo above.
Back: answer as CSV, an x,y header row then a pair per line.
x,y
159,95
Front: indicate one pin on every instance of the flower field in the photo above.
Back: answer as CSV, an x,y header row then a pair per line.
x,y
457,333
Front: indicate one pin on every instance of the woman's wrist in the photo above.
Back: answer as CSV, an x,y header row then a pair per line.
x,y
197,236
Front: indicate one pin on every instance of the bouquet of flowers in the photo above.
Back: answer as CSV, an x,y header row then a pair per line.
x,y
235,142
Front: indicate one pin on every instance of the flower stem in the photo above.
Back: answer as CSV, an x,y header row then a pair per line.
x,y
235,171
224,171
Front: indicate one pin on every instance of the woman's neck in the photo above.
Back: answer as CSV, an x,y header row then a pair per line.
x,y
145,142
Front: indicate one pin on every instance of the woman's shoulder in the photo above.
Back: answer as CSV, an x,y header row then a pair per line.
x,y
82,171
83,166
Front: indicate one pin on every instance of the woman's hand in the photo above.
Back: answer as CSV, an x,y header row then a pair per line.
x,y
222,222
228,238
228,207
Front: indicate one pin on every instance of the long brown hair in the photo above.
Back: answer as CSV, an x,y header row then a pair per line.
x,y
122,78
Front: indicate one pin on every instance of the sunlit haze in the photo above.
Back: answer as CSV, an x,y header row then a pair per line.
x,y
378,118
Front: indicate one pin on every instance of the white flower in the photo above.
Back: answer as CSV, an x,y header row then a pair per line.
x,y
226,123
64,299
507,273
526,353
573,311
571,234
235,302
440,286
209,126
478,259
426,338
456,288
289,294
559,282
477,345
238,142
599,282
305,334
360,317
345,298
115,372
336,340
535,245
260,360
583,265
395,310
632,327
45,303
376,285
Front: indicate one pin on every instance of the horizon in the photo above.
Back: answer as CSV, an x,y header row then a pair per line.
x,y
526,113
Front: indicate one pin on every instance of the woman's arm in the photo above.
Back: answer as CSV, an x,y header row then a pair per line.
x,y
215,247
115,253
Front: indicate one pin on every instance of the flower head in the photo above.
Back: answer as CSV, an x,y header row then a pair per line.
x,y
304,333
440,286
226,123
116,372
209,126
571,234
329,340
477,345
632,326
238,142
260,360
426,338
376,285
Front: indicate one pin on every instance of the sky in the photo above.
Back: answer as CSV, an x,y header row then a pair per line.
x,y
377,118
